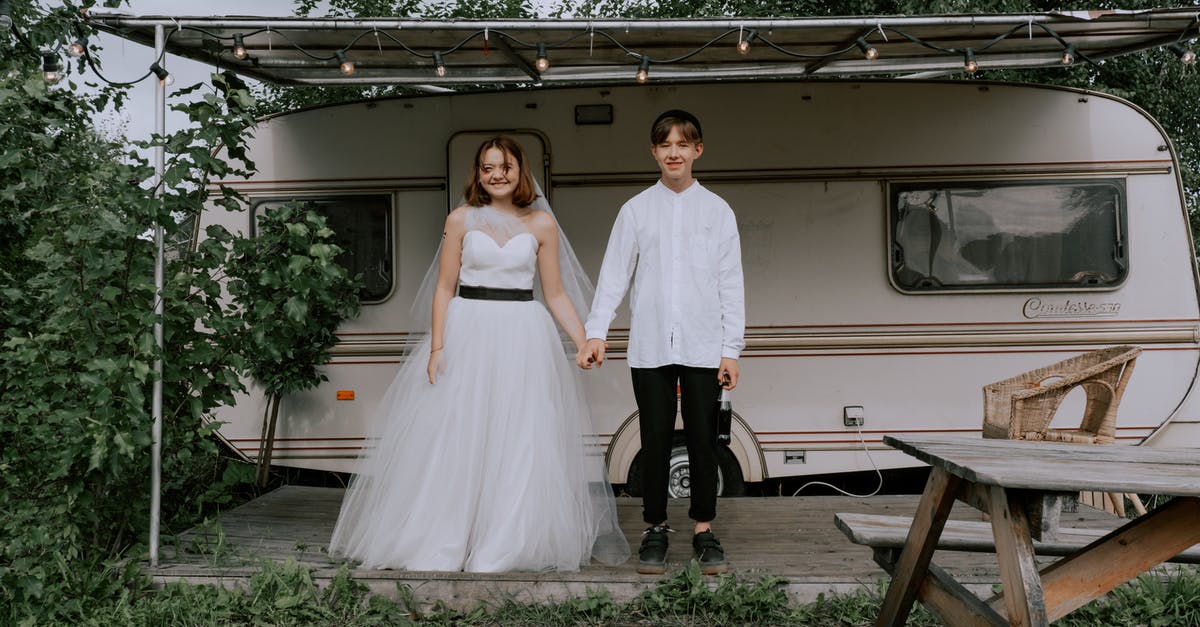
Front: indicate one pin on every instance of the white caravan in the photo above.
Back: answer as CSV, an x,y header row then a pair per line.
x,y
904,243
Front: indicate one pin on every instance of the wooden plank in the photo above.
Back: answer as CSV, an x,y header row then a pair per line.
x,y
1022,598
1059,467
932,512
1142,544
787,537
879,531
1106,453
949,600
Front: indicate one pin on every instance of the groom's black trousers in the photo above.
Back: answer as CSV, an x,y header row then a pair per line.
x,y
654,389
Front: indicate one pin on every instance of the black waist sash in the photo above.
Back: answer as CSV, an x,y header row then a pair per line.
x,y
493,293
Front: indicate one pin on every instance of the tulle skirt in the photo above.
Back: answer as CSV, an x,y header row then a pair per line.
x,y
492,468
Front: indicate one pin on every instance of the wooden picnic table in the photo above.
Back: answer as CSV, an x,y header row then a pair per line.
x,y
1010,480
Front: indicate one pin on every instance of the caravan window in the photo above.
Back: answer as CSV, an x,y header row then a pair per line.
x,y
362,226
1007,235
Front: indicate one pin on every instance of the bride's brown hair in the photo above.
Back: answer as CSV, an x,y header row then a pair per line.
x,y
525,193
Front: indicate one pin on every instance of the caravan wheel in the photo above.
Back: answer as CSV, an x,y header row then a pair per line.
x,y
679,484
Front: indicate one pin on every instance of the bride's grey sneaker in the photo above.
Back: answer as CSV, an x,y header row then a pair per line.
x,y
652,556
709,553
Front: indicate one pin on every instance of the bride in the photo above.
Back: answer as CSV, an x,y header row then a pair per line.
x,y
480,461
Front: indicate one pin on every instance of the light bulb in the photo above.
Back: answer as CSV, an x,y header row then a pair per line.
x,y
868,50
162,74
969,62
50,67
643,72
5,15
743,44
1185,54
344,64
78,47
439,64
543,61
239,47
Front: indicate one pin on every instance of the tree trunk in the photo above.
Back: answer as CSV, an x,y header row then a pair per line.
x,y
267,441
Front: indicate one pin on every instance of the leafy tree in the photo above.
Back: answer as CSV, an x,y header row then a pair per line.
x,y
76,349
291,297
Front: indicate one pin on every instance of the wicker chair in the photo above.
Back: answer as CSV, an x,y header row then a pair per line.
x,y
1021,407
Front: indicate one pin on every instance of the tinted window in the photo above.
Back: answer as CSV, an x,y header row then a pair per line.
x,y
1021,235
362,229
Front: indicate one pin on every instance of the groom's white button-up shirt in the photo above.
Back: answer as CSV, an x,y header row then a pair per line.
x,y
688,297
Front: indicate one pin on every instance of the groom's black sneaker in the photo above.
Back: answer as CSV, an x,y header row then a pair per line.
x,y
652,556
709,553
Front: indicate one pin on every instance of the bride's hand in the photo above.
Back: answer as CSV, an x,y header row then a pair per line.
x,y
436,365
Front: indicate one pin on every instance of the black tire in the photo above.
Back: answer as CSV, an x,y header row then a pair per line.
x,y
729,479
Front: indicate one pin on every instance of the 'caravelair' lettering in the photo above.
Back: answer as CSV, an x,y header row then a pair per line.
x,y
1036,307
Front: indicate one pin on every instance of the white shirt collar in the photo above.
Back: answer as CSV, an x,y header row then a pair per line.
x,y
672,193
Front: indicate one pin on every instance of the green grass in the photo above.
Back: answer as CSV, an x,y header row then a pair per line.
x,y
287,595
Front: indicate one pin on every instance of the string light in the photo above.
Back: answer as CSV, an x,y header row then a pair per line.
x,y
239,47
78,47
1185,54
868,50
50,67
743,44
344,64
163,75
1069,55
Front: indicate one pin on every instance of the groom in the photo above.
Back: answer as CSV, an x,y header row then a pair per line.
x,y
687,328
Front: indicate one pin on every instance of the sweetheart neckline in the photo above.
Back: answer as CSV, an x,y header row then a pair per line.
x,y
498,244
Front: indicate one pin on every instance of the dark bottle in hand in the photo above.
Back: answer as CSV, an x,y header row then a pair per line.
x,y
724,417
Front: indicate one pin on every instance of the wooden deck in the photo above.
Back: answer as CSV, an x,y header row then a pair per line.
x,y
794,538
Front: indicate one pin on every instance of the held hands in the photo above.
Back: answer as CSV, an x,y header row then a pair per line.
x,y
436,364
728,373
592,354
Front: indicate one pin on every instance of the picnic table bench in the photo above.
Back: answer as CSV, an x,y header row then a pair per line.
x,y
886,534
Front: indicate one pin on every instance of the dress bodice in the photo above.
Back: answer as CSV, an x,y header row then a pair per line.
x,y
486,263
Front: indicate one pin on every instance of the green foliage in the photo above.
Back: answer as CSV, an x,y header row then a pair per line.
x,y
78,353
290,295
278,595
285,594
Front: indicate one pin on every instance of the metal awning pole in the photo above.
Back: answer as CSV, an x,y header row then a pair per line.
x,y
160,124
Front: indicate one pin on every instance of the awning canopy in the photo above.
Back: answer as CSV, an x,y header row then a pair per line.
x,y
506,52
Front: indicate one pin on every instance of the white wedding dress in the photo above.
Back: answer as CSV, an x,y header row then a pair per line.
x,y
490,469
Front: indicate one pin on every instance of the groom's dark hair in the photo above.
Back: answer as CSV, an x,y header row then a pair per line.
x,y
688,125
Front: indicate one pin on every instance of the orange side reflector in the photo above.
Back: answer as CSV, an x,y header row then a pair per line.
x,y
345,395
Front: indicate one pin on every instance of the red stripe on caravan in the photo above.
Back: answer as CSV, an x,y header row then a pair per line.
x,y
964,352
979,323
357,439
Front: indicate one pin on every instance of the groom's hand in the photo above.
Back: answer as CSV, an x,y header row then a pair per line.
x,y
592,354
728,373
